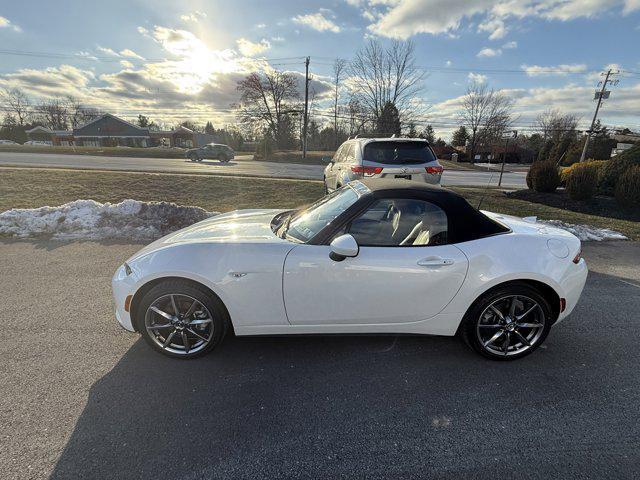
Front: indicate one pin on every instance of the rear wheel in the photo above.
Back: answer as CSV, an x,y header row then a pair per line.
x,y
194,157
181,319
224,158
507,323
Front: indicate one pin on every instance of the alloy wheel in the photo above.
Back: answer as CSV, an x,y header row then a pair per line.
x,y
179,324
510,325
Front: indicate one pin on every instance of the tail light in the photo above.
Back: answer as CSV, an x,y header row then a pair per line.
x,y
367,171
434,170
578,256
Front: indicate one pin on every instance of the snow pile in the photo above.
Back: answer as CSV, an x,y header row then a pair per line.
x,y
91,220
586,232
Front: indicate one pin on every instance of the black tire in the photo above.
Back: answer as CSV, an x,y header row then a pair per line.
x,y
212,303
469,327
224,159
194,157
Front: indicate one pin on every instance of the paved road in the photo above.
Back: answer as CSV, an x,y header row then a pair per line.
x,y
82,398
242,165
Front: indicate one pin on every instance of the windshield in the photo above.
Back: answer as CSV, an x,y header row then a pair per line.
x,y
308,223
398,153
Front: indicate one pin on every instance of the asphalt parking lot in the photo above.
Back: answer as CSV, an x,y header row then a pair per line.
x,y
82,398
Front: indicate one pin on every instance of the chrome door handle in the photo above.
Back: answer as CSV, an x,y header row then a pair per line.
x,y
435,262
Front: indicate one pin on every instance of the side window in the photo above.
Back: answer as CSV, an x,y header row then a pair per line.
x,y
400,223
338,154
349,155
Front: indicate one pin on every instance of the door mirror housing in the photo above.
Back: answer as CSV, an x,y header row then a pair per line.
x,y
342,247
327,160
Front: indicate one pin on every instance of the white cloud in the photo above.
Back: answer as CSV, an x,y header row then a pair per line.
x,y
6,23
538,70
131,54
489,52
318,21
448,63
193,16
85,54
108,51
477,77
250,49
126,63
261,25
277,39
402,19
510,45
495,27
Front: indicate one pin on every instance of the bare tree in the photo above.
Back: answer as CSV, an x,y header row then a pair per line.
x,y
385,75
357,116
18,104
486,114
551,123
269,98
339,66
53,114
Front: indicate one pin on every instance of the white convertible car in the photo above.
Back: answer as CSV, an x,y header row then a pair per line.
x,y
375,256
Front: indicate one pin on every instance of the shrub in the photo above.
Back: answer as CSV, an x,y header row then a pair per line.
x,y
566,171
628,188
543,177
582,182
264,148
615,167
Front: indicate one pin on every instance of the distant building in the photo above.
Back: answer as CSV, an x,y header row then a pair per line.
x,y
621,147
111,131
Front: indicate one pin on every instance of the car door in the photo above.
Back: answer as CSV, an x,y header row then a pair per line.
x,y
332,169
386,282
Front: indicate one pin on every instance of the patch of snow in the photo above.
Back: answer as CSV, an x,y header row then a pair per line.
x,y
585,232
91,220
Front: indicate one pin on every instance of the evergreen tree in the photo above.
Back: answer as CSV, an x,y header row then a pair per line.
x,y
460,137
389,121
429,134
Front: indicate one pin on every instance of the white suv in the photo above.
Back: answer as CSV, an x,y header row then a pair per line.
x,y
401,158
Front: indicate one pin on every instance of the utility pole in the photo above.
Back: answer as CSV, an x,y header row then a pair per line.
x,y
600,95
305,120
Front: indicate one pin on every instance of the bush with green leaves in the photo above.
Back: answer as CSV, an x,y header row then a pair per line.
x,y
628,188
566,171
614,169
582,181
543,176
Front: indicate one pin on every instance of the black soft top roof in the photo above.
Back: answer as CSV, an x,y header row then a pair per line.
x,y
464,222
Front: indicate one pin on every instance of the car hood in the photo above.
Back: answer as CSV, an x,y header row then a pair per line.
x,y
240,226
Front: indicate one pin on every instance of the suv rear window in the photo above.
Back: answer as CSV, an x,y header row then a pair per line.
x,y
398,153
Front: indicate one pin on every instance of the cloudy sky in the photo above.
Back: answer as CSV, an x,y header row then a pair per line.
x,y
178,60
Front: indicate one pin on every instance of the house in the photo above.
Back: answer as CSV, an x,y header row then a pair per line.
x,y
495,154
181,137
52,137
110,131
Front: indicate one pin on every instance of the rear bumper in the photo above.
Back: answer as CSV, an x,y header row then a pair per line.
x,y
573,285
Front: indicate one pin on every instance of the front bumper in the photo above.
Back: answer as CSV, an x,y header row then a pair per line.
x,y
122,286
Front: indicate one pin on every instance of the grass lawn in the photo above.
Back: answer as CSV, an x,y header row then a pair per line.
x,y
31,187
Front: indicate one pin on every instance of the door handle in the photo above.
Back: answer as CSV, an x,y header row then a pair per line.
x,y
435,262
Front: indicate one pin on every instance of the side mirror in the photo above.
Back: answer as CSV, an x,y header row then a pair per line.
x,y
342,247
327,160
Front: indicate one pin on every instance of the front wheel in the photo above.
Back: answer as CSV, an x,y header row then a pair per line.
x,y
507,323
194,157
224,159
181,319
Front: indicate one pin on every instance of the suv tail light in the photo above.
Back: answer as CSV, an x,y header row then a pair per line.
x,y
367,171
434,170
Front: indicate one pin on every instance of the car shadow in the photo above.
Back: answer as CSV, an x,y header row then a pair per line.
x,y
333,406
214,162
